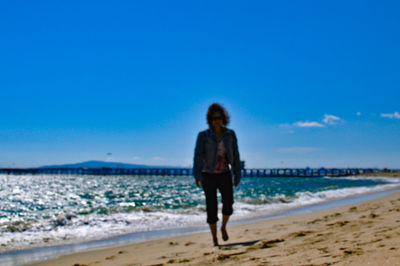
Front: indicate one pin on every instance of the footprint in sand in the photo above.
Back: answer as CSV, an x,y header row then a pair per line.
x,y
353,209
114,256
318,241
228,256
353,252
342,223
301,233
291,252
339,223
372,215
171,261
184,260
223,257
376,240
110,257
324,249
315,221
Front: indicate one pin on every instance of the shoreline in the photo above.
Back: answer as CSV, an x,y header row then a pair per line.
x,y
124,241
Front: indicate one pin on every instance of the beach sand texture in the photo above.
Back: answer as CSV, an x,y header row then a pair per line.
x,y
364,234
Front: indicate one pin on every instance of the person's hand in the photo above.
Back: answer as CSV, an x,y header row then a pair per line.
x,y
198,182
236,183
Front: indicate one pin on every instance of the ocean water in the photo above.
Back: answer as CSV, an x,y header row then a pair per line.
x,y
41,210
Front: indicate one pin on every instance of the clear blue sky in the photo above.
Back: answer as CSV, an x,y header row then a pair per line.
x,y
307,83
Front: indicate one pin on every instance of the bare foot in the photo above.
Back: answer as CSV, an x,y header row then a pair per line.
x,y
215,240
225,236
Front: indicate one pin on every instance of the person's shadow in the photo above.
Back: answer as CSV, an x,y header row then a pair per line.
x,y
242,244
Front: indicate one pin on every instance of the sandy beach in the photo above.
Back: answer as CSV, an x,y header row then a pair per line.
x,y
363,234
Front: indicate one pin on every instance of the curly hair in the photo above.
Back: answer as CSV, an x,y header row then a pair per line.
x,y
216,107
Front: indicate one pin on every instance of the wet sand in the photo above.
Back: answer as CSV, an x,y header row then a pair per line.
x,y
362,234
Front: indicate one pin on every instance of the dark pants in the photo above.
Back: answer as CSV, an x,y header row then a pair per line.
x,y
211,183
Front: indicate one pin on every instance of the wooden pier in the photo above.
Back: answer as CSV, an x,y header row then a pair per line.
x,y
270,172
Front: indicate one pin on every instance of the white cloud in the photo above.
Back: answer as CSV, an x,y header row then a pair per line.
x,y
157,158
395,115
331,119
308,124
358,113
298,150
327,120
135,158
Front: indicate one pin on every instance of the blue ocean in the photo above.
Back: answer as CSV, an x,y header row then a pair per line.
x,y
44,210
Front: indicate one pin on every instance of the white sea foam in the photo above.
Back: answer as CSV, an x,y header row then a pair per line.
x,y
94,226
244,210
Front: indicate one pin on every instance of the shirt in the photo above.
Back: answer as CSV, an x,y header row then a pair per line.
x,y
221,165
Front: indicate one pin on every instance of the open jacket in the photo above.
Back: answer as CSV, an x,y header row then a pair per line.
x,y
205,153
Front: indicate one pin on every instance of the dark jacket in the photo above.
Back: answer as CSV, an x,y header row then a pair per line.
x,y
205,154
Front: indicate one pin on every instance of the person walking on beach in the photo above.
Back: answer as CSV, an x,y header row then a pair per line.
x,y
216,158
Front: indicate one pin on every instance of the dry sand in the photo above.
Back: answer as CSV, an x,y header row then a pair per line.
x,y
364,234
383,174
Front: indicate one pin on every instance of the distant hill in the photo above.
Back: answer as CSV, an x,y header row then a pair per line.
x,y
100,164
